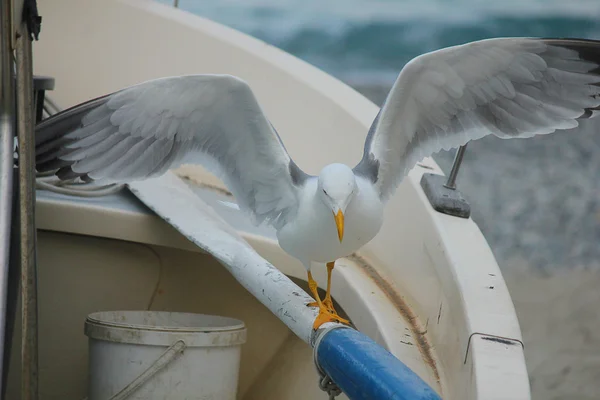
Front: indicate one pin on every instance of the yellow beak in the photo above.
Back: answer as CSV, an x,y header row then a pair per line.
x,y
339,221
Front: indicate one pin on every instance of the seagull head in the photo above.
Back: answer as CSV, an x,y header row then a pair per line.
x,y
336,188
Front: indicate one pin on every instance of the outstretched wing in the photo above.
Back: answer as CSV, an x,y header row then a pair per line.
x,y
144,130
511,88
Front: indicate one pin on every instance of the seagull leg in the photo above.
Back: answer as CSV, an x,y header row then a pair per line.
x,y
327,302
311,283
324,314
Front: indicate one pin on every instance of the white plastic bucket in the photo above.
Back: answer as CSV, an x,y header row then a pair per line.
x,y
163,355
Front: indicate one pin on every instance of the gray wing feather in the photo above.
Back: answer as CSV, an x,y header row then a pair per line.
x,y
508,87
144,130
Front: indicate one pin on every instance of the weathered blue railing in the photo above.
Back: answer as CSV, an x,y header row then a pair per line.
x,y
364,370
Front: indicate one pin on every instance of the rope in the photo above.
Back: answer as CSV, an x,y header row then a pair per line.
x,y
328,386
80,190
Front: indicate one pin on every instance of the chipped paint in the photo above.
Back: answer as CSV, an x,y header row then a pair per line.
x,y
418,334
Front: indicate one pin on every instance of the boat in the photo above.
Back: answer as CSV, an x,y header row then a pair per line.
x,y
427,288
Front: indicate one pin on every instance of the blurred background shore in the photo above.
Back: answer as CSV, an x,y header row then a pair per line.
x,y
537,201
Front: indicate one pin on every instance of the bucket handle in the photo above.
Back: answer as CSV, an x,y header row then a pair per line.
x,y
170,355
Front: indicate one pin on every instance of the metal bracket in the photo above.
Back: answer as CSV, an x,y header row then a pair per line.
x,y
442,194
444,199
40,85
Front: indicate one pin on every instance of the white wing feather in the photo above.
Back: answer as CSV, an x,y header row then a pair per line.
x,y
147,129
512,88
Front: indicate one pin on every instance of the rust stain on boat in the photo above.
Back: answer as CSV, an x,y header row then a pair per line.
x,y
416,328
202,184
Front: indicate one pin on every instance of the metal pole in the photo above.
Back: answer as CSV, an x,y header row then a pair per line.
x,y
25,128
7,112
13,281
451,184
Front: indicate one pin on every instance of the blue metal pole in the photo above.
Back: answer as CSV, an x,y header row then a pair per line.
x,y
366,371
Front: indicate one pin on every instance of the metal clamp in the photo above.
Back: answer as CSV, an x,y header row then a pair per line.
x,y
326,384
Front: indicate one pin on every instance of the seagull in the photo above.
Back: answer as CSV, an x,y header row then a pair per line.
x,y
507,87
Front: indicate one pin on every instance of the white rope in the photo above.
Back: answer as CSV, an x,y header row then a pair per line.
x,y
80,190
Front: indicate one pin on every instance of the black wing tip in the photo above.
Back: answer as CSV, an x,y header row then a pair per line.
x,y
48,155
63,171
587,49
52,165
50,141
66,173
63,122
565,41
